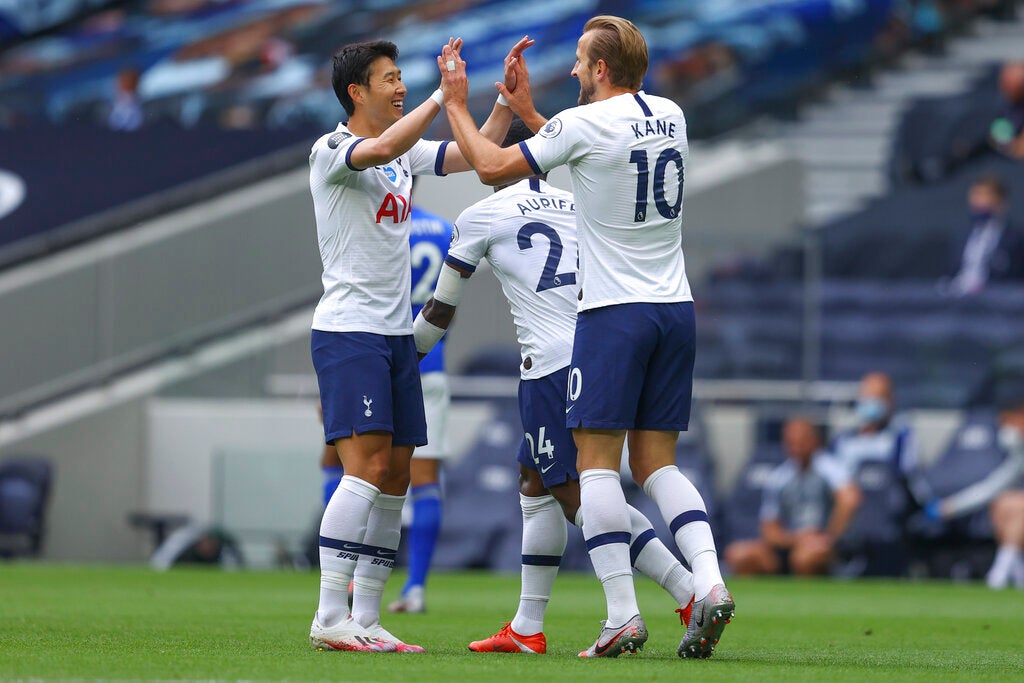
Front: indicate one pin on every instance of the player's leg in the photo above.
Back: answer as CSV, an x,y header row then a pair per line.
x,y
350,368
811,555
751,558
384,525
663,410
605,381
544,539
547,457
425,493
1007,514
424,529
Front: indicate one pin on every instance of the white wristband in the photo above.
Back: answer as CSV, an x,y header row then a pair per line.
x,y
438,96
425,334
502,101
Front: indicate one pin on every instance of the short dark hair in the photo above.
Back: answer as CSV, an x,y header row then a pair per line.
x,y
352,65
994,183
517,132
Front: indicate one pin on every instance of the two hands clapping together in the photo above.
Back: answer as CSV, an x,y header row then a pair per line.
x,y
514,92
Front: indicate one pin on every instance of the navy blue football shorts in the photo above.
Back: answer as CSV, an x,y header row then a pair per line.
x,y
369,382
547,447
632,367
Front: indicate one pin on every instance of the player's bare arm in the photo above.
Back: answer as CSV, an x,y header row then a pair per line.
x,y
379,115
494,165
496,125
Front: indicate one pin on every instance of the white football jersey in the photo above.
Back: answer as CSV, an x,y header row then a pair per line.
x,y
626,156
527,233
362,226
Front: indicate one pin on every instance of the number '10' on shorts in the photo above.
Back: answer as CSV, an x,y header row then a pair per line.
x,y
632,367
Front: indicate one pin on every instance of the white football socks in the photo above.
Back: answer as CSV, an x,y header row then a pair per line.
x,y
342,530
1003,565
683,510
380,544
603,505
652,559
544,539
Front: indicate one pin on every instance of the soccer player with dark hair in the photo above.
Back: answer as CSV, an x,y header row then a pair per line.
x,y
360,179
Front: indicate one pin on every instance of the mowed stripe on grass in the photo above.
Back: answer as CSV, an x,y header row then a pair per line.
x,y
98,622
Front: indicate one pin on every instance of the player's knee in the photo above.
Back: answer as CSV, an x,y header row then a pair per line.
x,y
530,483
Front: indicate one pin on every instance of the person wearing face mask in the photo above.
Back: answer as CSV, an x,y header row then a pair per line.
x,y
880,455
991,250
1003,491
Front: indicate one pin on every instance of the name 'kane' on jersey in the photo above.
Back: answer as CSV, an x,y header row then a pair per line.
x,y
362,225
527,233
626,157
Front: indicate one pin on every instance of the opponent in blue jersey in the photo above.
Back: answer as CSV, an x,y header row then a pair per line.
x,y
429,236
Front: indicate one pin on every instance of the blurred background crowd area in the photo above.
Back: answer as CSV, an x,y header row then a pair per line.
x,y
854,205
266,63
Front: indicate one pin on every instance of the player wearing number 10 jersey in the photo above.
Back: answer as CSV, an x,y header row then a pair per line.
x,y
527,233
634,344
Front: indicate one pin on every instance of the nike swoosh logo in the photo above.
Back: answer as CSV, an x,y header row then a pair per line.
x,y
544,470
352,547
381,552
601,649
699,620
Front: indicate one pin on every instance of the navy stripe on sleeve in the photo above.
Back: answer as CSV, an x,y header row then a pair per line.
x,y
439,162
461,264
348,155
529,158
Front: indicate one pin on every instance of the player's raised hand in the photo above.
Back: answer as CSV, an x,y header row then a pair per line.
x,y
520,100
454,82
515,55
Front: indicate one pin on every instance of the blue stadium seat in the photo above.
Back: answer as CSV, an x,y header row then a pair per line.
x,y
742,516
482,524
24,492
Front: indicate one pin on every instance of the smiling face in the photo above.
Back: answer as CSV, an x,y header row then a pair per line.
x,y
584,70
382,100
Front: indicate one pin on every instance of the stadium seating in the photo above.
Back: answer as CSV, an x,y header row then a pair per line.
x,y
482,524
940,350
24,493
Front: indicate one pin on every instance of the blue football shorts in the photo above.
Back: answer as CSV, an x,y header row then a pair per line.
x,y
369,382
548,447
632,367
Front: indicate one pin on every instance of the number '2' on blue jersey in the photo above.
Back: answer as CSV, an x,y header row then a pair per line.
x,y
429,237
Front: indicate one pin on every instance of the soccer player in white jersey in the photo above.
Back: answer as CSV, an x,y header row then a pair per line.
x,y
362,347
633,352
527,232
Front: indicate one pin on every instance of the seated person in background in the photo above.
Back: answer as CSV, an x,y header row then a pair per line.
x,y
808,501
880,434
1007,132
880,453
990,250
1004,489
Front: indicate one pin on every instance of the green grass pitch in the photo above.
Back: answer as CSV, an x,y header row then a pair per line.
x,y
128,623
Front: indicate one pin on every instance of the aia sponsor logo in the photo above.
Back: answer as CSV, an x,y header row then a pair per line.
x,y
395,207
